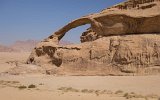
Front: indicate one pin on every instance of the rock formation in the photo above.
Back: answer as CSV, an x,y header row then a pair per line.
x,y
122,40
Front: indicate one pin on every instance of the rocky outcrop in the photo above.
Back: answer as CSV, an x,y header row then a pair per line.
x,y
122,40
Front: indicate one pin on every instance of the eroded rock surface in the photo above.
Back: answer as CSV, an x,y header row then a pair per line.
x,y
122,40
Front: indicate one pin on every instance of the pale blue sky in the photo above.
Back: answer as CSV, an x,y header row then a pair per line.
x,y
37,19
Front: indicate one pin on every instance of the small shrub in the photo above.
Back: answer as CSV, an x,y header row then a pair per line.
x,y
133,95
85,91
62,88
22,87
91,91
41,84
119,92
97,92
31,86
127,96
68,89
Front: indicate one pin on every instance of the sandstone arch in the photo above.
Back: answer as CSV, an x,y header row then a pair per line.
x,y
96,27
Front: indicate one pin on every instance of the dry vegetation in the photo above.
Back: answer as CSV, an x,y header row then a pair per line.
x,y
15,84
121,93
66,90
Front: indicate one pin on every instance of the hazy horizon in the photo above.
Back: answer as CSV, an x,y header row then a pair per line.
x,y
37,19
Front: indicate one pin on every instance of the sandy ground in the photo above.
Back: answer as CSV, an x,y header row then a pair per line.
x,y
73,87
8,60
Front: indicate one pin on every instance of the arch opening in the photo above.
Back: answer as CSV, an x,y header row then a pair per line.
x,y
73,35
95,30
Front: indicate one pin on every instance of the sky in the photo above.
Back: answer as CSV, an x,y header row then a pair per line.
x,y
37,19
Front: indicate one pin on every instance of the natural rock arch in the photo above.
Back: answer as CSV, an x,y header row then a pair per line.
x,y
58,35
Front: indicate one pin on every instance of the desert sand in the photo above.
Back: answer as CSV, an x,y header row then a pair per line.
x,y
122,40
15,87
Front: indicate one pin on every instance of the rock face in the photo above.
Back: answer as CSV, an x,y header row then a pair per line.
x,y
122,40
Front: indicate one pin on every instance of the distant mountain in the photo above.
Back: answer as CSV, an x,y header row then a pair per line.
x,y
6,49
25,46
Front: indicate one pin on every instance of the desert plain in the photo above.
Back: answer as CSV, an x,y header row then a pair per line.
x,y
50,87
121,39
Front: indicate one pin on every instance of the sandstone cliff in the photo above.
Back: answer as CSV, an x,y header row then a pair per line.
x,y
122,40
